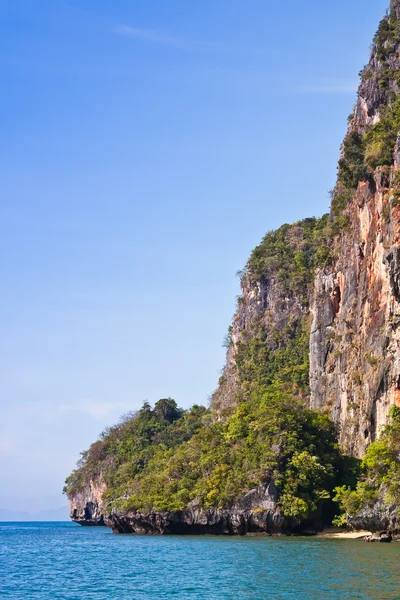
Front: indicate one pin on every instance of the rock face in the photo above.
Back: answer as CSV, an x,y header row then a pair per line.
x,y
255,513
354,342
353,312
264,305
86,505
377,518
354,304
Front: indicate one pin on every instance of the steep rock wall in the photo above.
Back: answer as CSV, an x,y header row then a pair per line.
x,y
86,505
264,305
354,342
352,307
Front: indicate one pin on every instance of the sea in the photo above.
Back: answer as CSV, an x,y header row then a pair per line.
x,y
64,561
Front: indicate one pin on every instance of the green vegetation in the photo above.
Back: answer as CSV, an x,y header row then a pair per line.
x,y
386,37
380,473
352,167
291,254
362,154
381,139
124,451
158,460
275,357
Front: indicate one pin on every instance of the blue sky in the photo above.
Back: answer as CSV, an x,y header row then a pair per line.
x,y
146,148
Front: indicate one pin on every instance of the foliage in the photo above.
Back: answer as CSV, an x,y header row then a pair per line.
x,y
380,140
386,39
150,463
278,356
380,476
124,451
387,35
306,480
352,168
291,254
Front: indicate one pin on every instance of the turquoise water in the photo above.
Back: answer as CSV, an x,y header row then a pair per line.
x,y
51,561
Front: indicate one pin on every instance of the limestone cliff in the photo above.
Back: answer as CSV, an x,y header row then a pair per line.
x,y
86,504
265,307
354,343
353,303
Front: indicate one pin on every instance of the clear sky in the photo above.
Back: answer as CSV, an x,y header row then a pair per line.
x,y
146,147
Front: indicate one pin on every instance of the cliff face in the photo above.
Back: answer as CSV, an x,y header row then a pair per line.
x,y
354,342
86,504
379,516
265,306
353,304
352,314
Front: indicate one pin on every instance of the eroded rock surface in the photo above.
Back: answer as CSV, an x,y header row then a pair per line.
x,y
86,505
255,513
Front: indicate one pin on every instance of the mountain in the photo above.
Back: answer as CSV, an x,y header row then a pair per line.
x,y
304,422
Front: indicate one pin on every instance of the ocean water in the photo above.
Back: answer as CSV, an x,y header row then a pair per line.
x,y
60,561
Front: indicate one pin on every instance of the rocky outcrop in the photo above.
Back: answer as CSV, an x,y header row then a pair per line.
x,y
354,341
256,513
378,80
86,505
377,518
264,305
383,536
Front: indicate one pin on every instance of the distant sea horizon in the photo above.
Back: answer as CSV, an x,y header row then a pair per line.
x,y
9,515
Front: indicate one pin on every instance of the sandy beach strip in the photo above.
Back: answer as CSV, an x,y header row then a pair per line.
x,y
343,534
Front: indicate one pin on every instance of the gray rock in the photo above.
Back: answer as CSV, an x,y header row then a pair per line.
x,y
377,518
254,513
380,537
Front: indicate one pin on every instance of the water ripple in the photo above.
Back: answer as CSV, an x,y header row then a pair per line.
x,y
48,561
